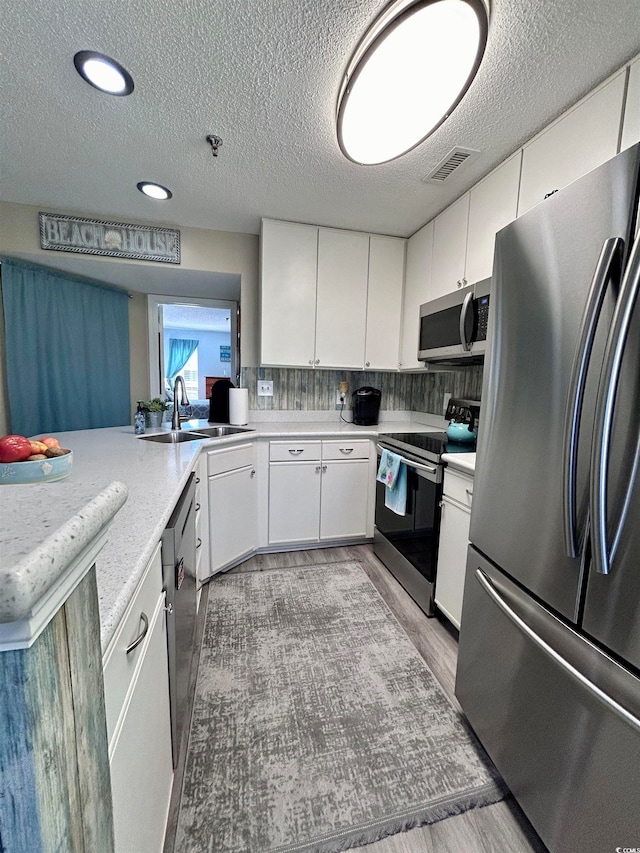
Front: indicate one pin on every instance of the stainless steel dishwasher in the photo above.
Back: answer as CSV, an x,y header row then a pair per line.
x,y
179,578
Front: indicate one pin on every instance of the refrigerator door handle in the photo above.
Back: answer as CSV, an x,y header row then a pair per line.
x,y
605,408
573,673
608,263
466,345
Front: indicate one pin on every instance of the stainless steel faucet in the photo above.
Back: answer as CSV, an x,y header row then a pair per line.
x,y
184,401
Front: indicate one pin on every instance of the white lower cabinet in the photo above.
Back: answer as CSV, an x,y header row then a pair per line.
x,y
454,542
232,497
203,561
343,499
294,501
138,720
322,493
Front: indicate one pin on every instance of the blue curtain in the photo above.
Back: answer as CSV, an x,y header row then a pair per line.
x,y
180,351
67,343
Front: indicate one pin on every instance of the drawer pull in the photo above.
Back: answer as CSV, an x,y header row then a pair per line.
x,y
346,450
469,492
141,635
197,507
253,472
297,451
197,480
169,609
199,543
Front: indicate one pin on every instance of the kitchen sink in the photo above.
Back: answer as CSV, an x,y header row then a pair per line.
x,y
218,431
173,437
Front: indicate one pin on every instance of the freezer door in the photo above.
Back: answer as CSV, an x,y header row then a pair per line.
x,y
612,603
544,268
560,719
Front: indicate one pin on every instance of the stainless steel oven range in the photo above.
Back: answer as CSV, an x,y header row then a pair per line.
x,y
408,544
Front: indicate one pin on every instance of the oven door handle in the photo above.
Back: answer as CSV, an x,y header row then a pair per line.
x,y
428,468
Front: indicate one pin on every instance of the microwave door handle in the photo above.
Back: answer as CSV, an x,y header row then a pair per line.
x,y
605,409
610,255
466,345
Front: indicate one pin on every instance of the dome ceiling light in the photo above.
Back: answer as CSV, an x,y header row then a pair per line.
x,y
103,73
407,75
156,191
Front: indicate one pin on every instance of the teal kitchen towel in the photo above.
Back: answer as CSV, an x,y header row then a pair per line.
x,y
396,499
388,469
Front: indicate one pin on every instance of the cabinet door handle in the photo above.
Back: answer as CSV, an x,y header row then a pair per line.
x,y
141,635
317,361
296,451
318,469
199,543
469,493
197,480
367,364
346,450
310,361
253,472
197,507
324,467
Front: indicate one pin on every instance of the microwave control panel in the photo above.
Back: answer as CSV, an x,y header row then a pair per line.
x,y
482,313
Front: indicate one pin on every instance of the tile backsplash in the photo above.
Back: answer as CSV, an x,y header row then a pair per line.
x,y
315,390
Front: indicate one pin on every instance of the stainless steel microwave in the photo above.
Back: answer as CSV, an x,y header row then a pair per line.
x,y
453,328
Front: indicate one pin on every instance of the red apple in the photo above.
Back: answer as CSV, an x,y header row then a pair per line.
x,y
49,441
14,448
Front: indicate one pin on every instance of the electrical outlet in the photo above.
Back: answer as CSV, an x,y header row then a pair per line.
x,y
340,399
265,387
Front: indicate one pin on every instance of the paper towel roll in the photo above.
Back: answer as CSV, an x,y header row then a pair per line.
x,y
238,406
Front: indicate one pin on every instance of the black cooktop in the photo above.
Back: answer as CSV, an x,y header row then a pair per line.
x,y
431,445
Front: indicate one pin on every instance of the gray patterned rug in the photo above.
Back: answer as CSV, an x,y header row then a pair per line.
x,y
317,725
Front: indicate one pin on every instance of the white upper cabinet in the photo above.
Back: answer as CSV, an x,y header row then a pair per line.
x,y
631,125
341,309
289,262
449,248
493,203
416,288
384,302
582,139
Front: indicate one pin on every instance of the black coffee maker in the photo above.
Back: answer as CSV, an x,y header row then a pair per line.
x,y
366,406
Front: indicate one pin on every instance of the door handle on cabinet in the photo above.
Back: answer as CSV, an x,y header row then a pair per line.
x,y
296,451
346,450
199,543
253,472
141,635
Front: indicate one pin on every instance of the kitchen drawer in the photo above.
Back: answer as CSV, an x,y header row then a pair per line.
x,y
118,666
229,458
290,451
458,486
358,449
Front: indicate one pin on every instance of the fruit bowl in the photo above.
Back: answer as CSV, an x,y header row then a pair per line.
x,y
38,471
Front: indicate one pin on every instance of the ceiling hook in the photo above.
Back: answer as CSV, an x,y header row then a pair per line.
x,y
215,142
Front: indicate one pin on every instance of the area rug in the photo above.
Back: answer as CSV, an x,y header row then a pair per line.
x,y
317,725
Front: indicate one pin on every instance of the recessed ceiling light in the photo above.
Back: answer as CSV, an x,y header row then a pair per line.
x,y
103,73
407,75
154,190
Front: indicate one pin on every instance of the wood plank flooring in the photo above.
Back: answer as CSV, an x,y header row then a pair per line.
x,y
500,828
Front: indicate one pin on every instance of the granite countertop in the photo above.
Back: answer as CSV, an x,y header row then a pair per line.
x,y
154,475
465,462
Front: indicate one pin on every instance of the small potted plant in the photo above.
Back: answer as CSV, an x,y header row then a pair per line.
x,y
154,411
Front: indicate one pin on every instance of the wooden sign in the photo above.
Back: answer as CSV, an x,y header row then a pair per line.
x,y
115,239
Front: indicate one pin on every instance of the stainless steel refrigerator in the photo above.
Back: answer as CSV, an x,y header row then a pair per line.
x,y
549,656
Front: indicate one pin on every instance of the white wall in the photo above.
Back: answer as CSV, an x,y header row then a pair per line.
x,y
217,251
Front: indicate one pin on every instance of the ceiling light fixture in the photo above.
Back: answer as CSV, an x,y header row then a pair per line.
x,y
103,73
407,75
156,191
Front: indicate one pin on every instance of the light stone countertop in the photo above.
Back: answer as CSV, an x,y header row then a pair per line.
x,y
154,475
465,462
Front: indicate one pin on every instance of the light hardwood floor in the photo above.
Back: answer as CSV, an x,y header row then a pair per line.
x,y
500,828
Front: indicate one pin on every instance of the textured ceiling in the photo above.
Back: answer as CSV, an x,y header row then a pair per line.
x,y
264,75
200,319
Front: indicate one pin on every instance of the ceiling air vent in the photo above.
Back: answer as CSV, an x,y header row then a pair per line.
x,y
455,158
